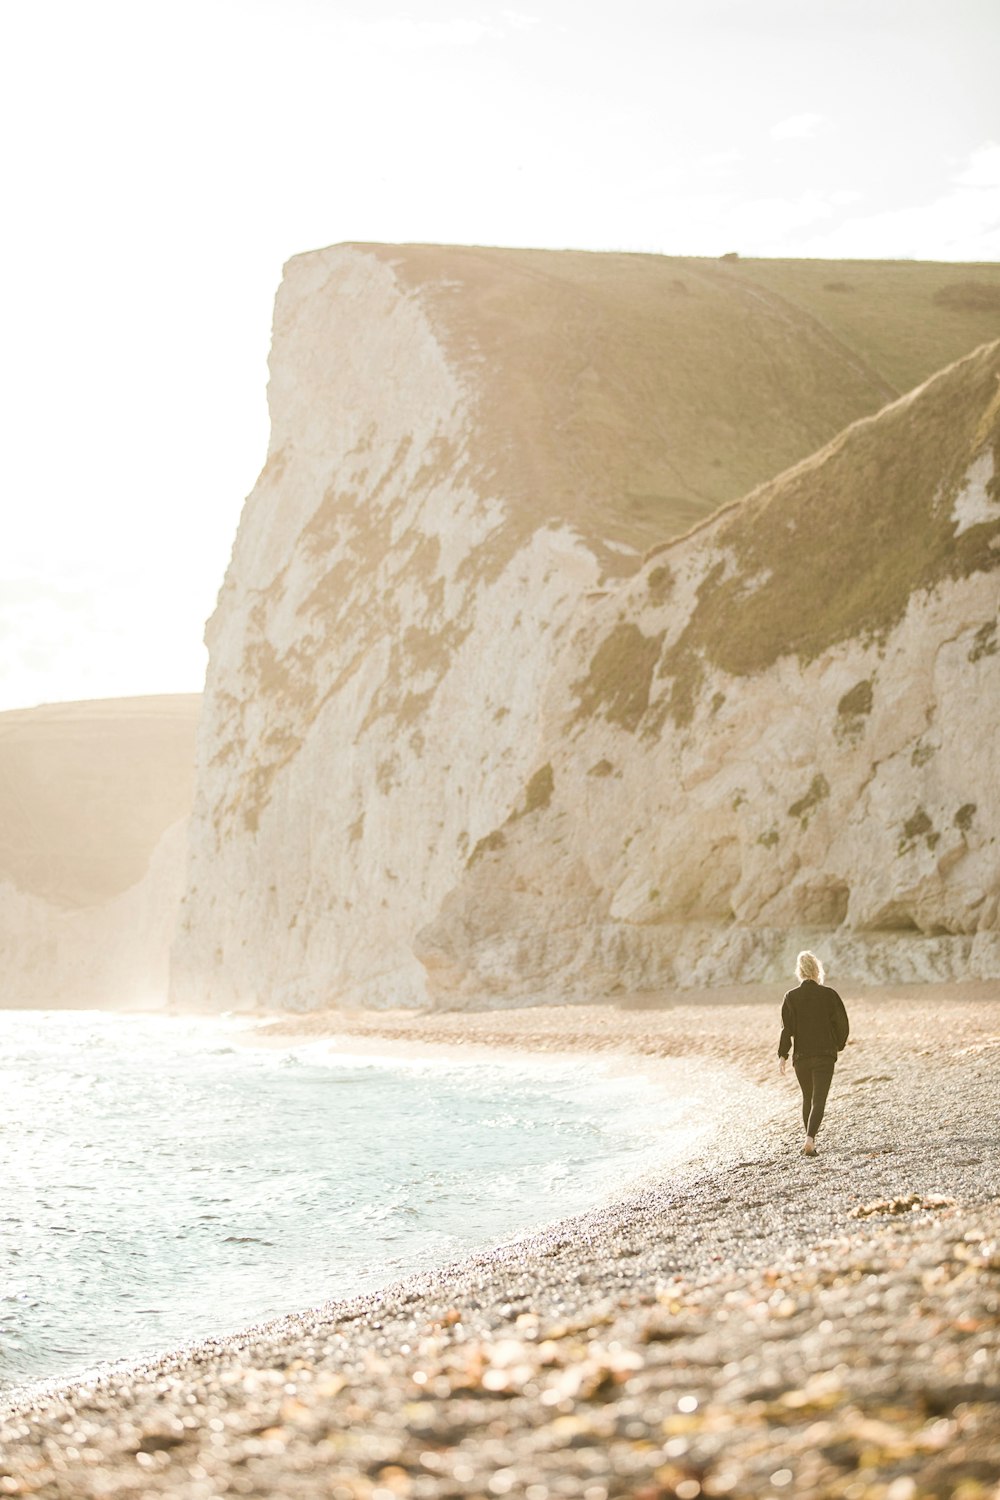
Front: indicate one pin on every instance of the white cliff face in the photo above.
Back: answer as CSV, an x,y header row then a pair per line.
x,y
94,799
113,955
381,608
703,824
714,852
447,756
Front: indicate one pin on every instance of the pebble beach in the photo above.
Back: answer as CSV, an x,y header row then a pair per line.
x,y
751,1324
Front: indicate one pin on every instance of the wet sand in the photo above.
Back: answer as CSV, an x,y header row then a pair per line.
x,y
753,1324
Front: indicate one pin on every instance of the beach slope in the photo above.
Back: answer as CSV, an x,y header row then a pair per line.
x,y
758,1324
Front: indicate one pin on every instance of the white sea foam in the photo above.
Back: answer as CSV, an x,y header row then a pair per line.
x,y
161,1183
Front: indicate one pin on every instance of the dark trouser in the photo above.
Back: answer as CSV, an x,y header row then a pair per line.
x,y
815,1074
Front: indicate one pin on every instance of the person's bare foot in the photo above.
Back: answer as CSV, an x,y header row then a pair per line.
x,y
809,1149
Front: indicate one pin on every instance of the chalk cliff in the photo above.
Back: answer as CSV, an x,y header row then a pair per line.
x,y
781,730
458,744
94,799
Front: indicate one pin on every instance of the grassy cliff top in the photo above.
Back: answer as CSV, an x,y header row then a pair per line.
x,y
907,319
634,394
835,548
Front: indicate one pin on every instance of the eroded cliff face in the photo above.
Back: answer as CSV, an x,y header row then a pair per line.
x,y
381,647
458,746
94,800
782,729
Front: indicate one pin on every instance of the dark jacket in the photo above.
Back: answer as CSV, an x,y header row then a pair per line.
x,y
814,1017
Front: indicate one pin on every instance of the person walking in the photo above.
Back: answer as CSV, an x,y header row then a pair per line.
x,y
814,1018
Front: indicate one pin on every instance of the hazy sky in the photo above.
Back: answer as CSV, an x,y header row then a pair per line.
x,y
163,160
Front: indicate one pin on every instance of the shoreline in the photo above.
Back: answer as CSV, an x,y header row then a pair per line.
x,y
822,1347
400,1036
325,1032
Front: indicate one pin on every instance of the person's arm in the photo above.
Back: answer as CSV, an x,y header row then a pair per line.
x,y
787,1027
841,1025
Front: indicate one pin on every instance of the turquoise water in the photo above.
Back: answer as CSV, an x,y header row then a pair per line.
x,y
161,1181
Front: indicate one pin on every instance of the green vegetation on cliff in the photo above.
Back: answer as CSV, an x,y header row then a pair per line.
x,y
906,319
835,548
632,395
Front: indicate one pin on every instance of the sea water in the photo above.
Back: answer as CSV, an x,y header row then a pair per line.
x,y
161,1180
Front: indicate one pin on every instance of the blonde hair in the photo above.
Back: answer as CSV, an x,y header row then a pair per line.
x,y
808,966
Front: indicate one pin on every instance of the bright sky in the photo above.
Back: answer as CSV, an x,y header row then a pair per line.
x,y
163,160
